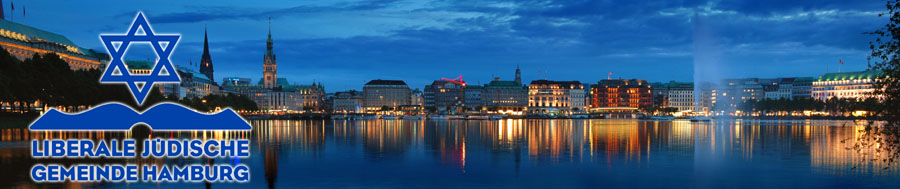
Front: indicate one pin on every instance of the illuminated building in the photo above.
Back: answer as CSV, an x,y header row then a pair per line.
x,y
385,93
632,93
24,41
736,91
445,95
505,96
348,102
854,85
270,67
277,94
236,81
545,96
193,84
679,95
139,67
779,88
417,98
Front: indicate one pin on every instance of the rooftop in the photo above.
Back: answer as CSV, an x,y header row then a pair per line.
x,y
386,82
27,33
571,84
868,74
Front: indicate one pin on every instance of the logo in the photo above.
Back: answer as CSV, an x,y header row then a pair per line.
x,y
119,117
163,45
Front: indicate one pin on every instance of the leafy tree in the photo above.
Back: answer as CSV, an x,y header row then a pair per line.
x,y
885,57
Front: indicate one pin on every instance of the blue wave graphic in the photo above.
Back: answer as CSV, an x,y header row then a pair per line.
x,y
119,117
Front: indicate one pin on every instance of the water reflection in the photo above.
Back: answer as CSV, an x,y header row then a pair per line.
x,y
292,151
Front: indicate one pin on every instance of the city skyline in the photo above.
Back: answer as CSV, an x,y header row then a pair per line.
x,y
783,40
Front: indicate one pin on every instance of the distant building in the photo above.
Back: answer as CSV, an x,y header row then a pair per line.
x,y
272,93
679,95
193,84
307,97
348,102
802,88
505,96
270,66
417,98
621,93
236,81
473,100
24,41
853,85
328,105
445,95
546,96
735,92
385,93
779,88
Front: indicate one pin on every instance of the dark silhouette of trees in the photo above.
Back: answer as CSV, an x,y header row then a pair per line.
x,y
885,138
834,106
49,80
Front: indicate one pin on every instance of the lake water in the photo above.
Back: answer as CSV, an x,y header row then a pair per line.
x,y
515,153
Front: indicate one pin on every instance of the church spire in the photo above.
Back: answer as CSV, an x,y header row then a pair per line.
x,y
269,45
206,65
270,67
518,75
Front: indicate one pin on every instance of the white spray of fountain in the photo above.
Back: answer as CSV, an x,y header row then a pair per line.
x,y
708,69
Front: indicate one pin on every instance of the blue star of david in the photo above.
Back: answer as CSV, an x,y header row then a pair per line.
x,y
147,80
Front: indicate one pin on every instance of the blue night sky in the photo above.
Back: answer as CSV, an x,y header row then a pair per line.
x,y
345,43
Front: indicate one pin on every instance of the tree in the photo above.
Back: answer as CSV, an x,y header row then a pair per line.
x,y
886,58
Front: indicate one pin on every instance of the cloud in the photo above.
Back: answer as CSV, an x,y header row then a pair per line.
x,y
418,41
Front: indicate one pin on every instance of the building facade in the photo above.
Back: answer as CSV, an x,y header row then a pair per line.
x,y
778,88
446,96
545,96
802,88
385,93
852,85
621,93
24,41
678,95
348,102
505,96
417,98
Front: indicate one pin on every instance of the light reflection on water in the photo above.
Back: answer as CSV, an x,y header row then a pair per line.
x,y
531,153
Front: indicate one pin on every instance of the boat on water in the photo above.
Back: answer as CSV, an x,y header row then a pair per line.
x,y
339,117
479,117
701,119
411,117
439,117
370,117
390,117
579,116
663,118
496,117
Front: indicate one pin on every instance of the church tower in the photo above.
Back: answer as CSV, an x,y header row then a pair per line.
x,y
206,66
270,73
518,75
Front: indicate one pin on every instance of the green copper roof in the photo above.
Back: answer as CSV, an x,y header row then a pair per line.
x,y
804,79
139,64
197,75
503,84
868,74
34,34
